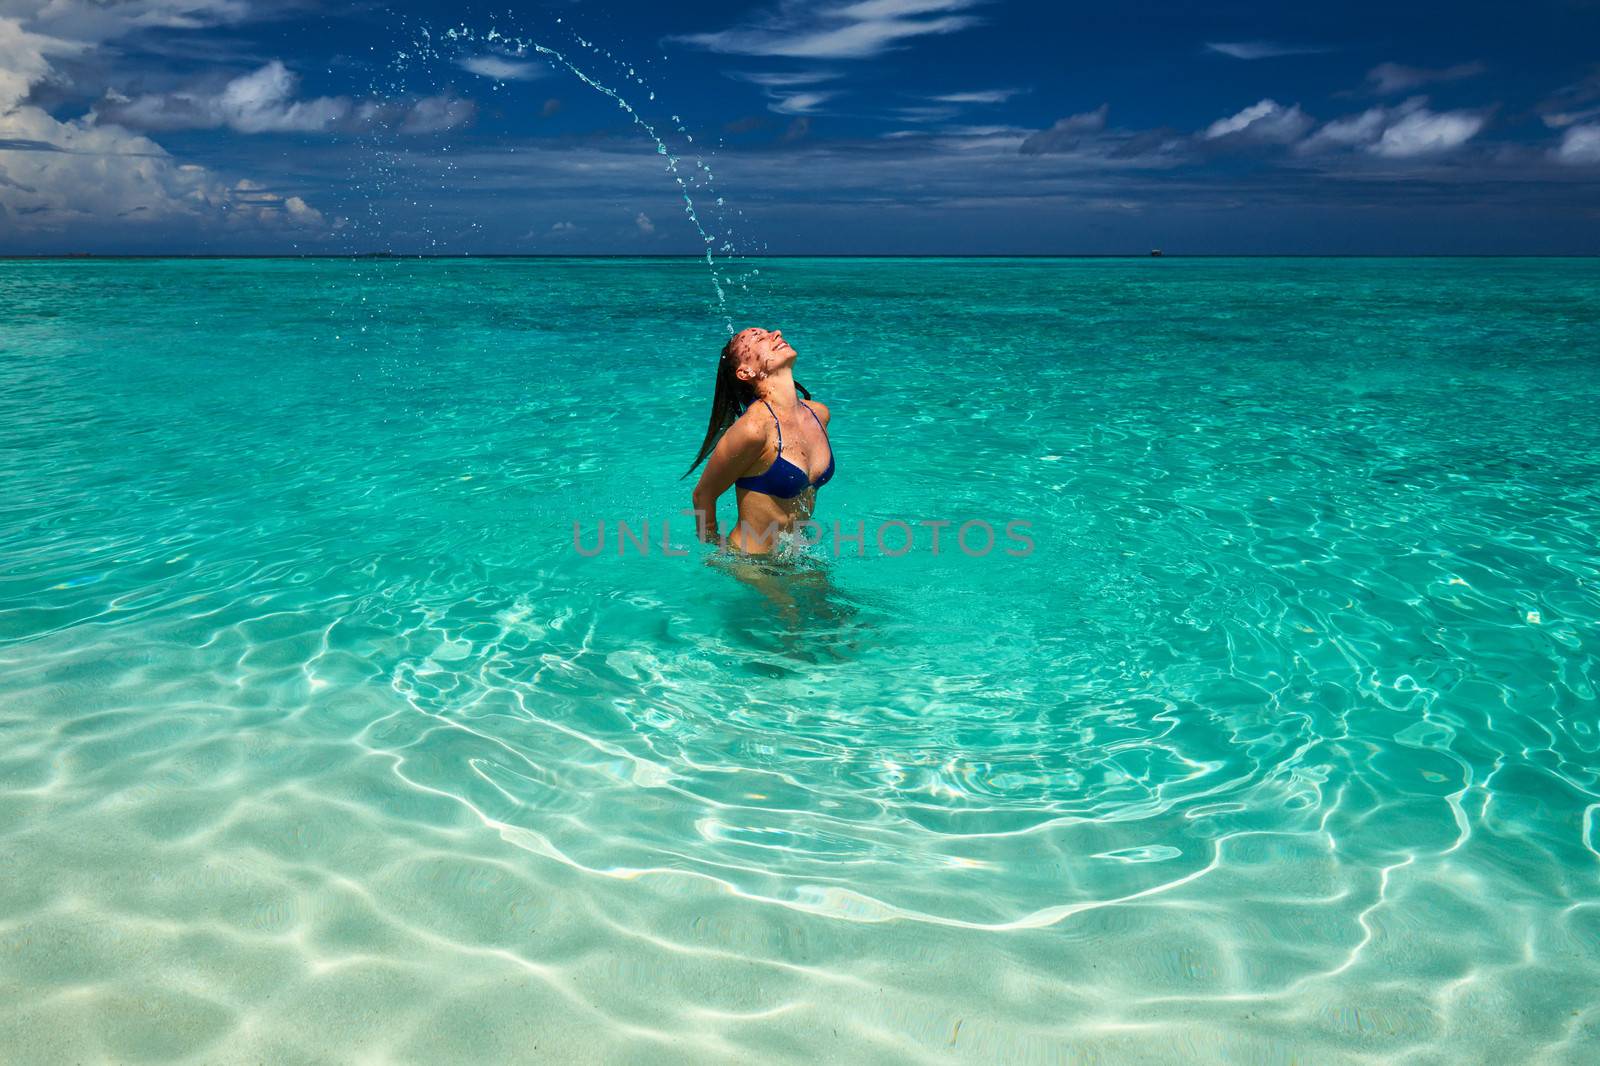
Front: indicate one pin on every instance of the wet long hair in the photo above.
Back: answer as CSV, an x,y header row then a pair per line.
x,y
730,401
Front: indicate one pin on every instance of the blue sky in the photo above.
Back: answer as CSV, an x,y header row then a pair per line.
x,y
827,126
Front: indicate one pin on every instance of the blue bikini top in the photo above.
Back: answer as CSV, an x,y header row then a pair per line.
x,y
783,479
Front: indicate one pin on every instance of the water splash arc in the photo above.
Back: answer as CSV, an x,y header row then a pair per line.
x,y
520,47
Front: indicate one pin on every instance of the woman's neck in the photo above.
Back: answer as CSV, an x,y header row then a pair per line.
x,y
777,388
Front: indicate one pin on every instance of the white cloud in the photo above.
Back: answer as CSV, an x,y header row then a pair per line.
x,y
1263,49
1267,122
437,114
24,60
94,21
1386,78
985,96
302,213
791,103
261,101
828,31
781,80
60,176
1580,145
501,69
1355,131
1405,131
1423,132
799,103
79,174
646,227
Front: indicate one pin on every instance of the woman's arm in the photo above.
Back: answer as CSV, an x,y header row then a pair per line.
x,y
739,450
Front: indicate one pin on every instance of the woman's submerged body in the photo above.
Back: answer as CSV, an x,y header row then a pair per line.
x,y
776,454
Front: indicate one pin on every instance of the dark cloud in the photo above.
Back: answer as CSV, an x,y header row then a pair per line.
x,y
1089,138
1578,102
19,145
1068,133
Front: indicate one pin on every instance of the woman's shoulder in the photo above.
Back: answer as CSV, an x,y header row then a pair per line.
x,y
820,408
752,421
748,430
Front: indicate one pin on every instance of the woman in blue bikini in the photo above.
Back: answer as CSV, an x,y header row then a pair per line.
x,y
765,441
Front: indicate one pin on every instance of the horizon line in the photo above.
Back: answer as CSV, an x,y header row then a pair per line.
x,y
687,256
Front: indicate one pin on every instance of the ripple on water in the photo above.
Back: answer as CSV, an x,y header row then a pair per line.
x,y
315,734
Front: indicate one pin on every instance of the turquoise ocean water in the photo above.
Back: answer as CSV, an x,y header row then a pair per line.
x,y
319,741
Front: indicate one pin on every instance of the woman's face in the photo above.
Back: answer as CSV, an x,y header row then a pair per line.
x,y
758,352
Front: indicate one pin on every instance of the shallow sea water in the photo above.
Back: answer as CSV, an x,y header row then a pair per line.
x,y
320,741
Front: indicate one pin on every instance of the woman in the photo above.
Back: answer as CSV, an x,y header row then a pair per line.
x,y
764,440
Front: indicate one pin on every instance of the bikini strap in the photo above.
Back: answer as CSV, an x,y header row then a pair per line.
x,y
775,422
818,420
